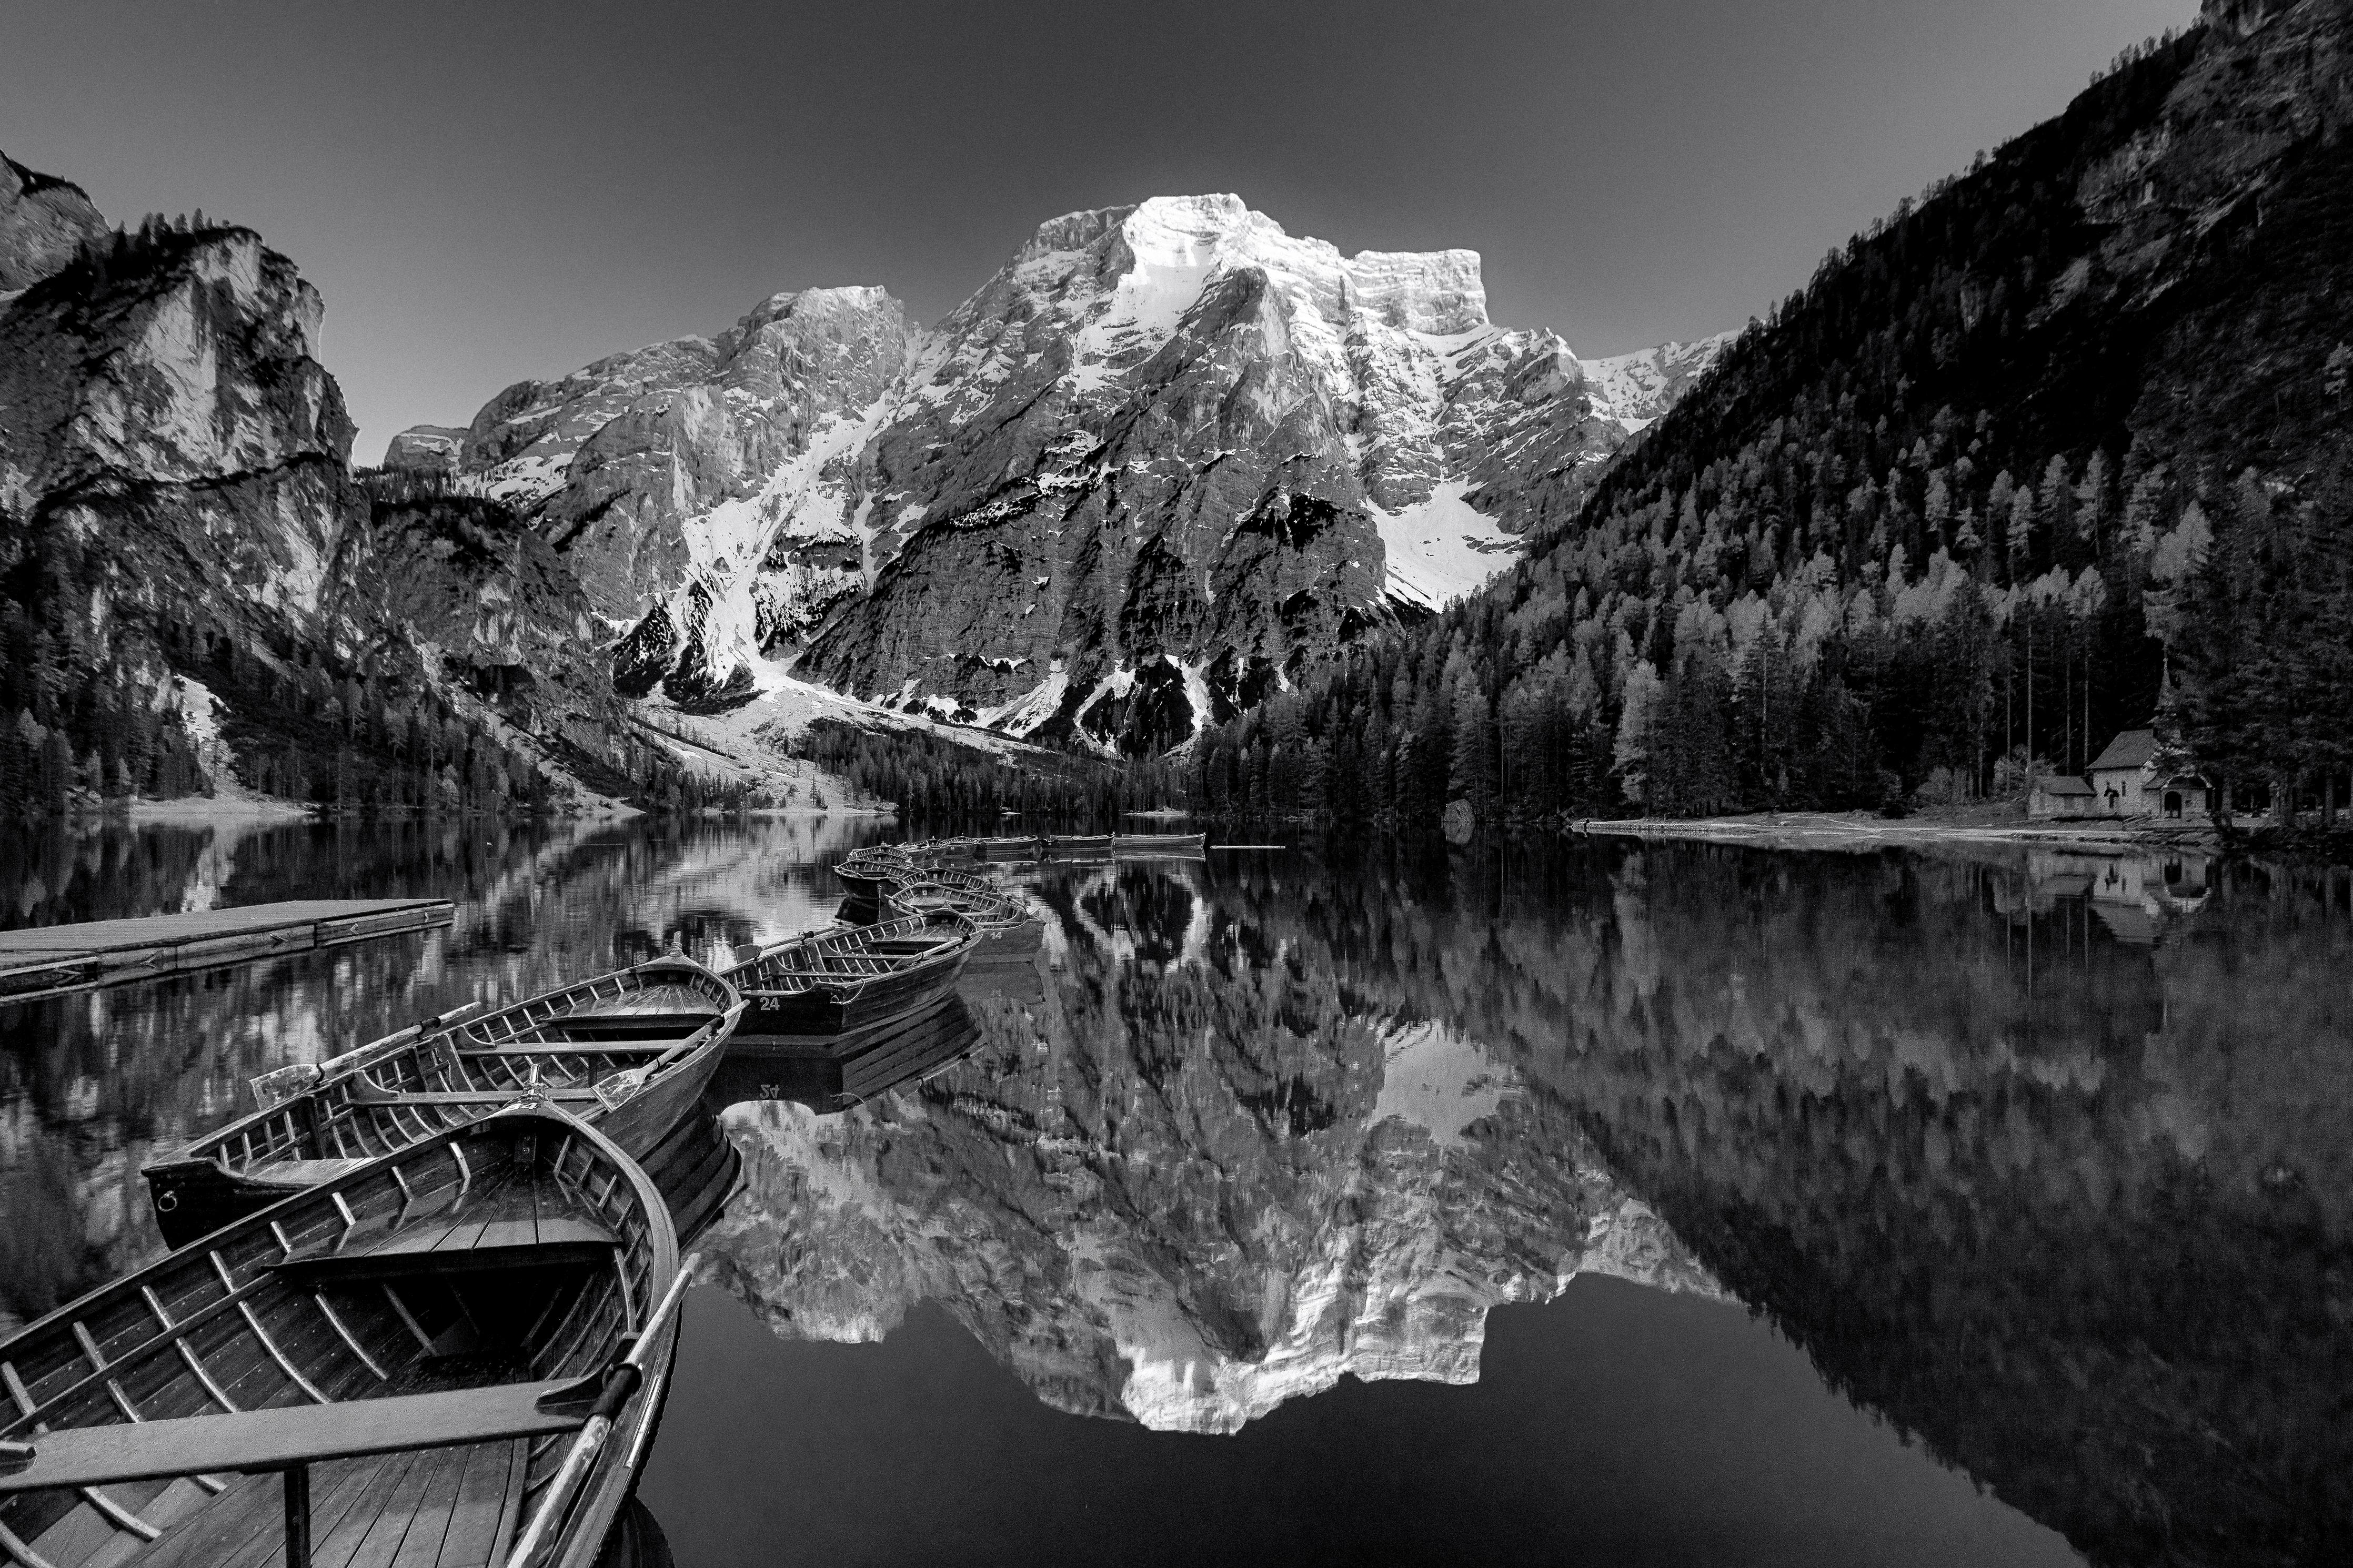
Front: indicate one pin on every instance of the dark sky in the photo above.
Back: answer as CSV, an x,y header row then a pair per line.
x,y
485,192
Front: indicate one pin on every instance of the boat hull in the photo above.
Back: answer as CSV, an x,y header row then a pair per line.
x,y
192,1198
1117,845
864,884
770,1017
615,1480
195,1197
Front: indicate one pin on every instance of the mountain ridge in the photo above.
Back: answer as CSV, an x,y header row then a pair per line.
x,y
1948,517
878,528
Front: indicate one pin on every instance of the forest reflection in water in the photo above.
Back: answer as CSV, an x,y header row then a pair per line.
x,y
2040,1158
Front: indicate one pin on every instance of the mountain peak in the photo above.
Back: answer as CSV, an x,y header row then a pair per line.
x,y
1167,249
1166,452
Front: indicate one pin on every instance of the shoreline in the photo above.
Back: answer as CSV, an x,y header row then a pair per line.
x,y
1827,831
199,809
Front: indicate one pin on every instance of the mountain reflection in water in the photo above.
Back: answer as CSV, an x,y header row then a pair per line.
x,y
1203,1176
2042,1159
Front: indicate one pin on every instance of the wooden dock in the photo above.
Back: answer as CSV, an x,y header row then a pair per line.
x,y
48,960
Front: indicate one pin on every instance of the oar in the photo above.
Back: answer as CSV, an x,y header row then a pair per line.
x,y
272,1088
620,1383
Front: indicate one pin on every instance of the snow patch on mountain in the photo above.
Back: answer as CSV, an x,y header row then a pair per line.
x,y
1442,549
1637,388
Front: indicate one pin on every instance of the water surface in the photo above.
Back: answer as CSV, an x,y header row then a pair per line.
x,y
1609,1203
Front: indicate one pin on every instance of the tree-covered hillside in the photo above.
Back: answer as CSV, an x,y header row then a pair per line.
x,y
1952,510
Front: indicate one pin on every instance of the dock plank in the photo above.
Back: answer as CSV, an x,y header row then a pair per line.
x,y
48,960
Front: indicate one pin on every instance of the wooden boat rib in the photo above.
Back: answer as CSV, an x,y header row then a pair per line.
x,y
835,981
631,1051
414,1348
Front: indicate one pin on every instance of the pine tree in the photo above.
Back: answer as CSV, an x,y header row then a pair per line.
x,y
1470,767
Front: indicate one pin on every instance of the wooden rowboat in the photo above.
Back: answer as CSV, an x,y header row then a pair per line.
x,y
1136,846
939,890
831,982
450,1357
870,870
1112,846
868,878
629,1051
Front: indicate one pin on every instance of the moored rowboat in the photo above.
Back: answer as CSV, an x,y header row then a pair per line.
x,y
869,871
459,1349
938,890
629,1051
835,981
1133,846
1115,845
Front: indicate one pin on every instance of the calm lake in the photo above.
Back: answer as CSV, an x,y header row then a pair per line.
x,y
1597,1202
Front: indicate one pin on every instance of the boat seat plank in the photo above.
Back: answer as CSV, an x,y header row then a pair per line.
x,y
496,1197
370,1095
465,1256
517,1230
302,1172
610,1020
274,1438
498,1225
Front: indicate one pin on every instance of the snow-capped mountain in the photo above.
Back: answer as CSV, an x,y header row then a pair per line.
x,y
1165,457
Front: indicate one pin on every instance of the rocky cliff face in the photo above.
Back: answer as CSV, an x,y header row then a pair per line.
x,y
1194,1180
704,491
43,220
425,449
176,487
1165,458
180,381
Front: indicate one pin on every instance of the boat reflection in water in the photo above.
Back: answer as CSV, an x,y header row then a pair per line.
x,y
2042,1162
832,1072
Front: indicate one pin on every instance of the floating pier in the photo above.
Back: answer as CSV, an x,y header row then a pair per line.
x,y
48,960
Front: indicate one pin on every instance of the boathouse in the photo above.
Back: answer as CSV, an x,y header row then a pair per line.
x,y
2061,795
